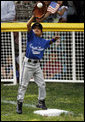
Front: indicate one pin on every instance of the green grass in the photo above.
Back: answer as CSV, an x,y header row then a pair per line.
x,y
66,96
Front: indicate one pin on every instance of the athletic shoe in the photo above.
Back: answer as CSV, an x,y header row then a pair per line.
x,y
19,107
41,104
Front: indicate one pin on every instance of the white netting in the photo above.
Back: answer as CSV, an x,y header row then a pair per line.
x,y
6,56
79,48
57,63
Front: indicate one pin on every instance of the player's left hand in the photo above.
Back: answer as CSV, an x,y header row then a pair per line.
x,y
57,37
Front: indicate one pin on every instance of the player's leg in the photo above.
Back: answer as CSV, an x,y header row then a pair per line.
x,y
39,79
26,76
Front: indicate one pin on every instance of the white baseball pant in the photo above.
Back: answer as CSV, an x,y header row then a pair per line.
x,y
31,69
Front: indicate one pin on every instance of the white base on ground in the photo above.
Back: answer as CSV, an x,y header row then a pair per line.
x,y
50,112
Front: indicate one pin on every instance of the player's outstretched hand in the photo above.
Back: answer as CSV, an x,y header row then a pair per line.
x,y
56,37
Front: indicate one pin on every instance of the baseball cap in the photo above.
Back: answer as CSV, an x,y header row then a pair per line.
x,y
37,24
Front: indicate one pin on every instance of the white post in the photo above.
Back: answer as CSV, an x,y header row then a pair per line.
x,y
20,56
13,57
74,67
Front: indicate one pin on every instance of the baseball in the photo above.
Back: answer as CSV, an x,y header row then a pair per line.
x,y
39,5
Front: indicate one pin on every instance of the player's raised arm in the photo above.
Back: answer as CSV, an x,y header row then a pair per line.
x,y
30,22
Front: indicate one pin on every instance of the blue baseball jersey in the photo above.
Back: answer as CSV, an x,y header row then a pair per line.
x,y
36,46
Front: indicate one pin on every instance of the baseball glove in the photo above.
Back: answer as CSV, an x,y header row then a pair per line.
x,y
40,12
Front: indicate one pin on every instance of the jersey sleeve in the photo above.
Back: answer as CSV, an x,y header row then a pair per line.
x,y
47,44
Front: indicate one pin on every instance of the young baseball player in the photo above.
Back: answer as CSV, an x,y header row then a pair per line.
x,y
31,66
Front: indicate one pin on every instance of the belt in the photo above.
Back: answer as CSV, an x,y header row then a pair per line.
x,y
35,61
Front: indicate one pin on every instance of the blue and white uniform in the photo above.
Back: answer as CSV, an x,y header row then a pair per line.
x,y
36,46
34,52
